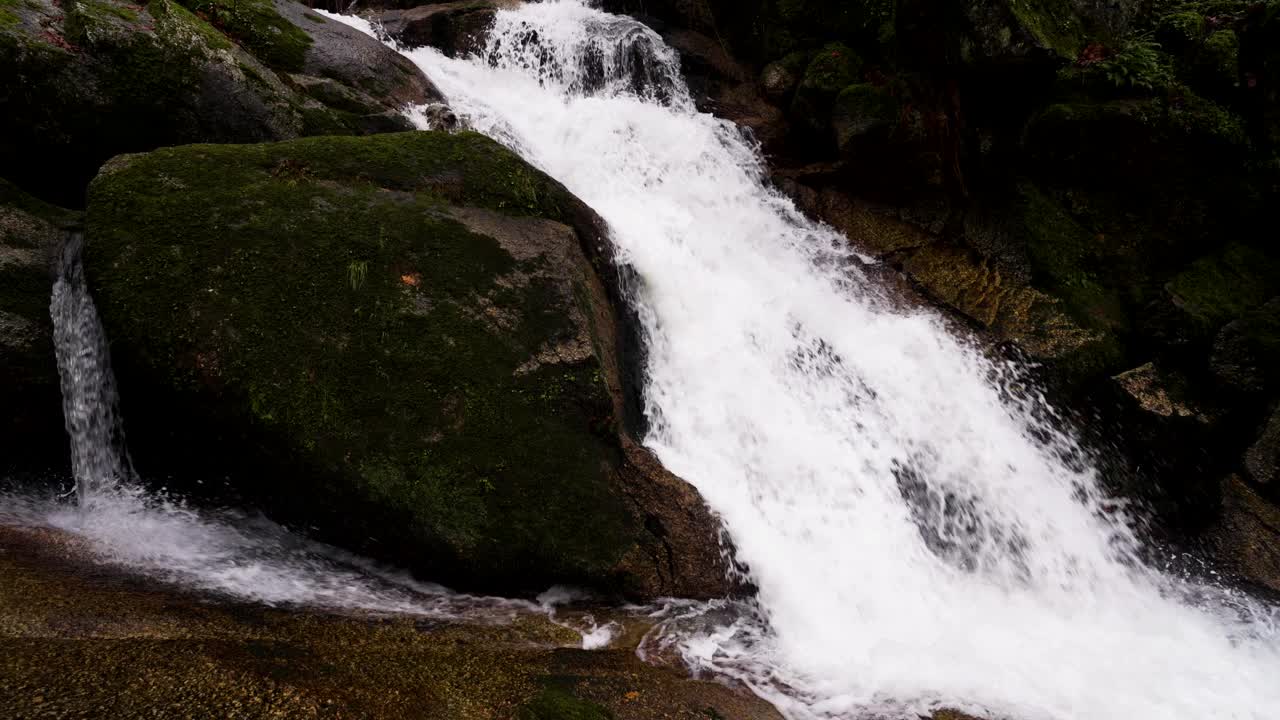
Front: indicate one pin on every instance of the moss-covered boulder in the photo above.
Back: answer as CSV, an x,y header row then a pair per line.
x,y
828,71
83,80
382,79
406,341
31,435
1022,30
863,114
1246,352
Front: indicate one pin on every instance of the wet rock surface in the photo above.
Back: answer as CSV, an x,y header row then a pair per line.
x,y
31,435
84,81
83,640
457,29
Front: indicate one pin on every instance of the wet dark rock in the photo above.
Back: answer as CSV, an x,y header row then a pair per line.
x,y
83,81
414,343
1247,538
81,638
862,116
358,62
1262,459
1246,352
457,29
31,435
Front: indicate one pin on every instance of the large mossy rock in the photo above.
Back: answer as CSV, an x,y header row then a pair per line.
x,y
406,341
83,80
31,434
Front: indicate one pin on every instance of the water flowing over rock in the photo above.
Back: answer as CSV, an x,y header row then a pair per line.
x,y
408,342
888,488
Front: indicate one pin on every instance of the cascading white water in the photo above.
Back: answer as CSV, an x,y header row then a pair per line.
x,y
99,459
920,532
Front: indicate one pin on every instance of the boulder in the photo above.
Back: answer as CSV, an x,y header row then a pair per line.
x,y
31,434
385,80
1162,393
1262,460
831,69
780,79
413,343
862,116
1247,538
457,29
1246,352
84,80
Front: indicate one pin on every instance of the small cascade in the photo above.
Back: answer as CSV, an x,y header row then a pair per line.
x,y
90,404
596,55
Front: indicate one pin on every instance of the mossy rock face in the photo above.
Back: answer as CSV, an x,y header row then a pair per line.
x,y
558,704
397,340
861,112
256,26
85,80
1246,353
1004,30
31,436
1216,289
1176,164
1040,324
829,71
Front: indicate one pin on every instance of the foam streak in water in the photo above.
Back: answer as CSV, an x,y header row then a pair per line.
x,y
920,532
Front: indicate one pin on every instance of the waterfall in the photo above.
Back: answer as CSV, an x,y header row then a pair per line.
x,y
90,406
922,529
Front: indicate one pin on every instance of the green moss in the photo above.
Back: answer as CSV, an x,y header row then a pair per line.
x,y
864,100
256,26
1063,255
1219,288
399,390
177,21
1053,23
558,704
122,12
833,68
861,109
328,121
